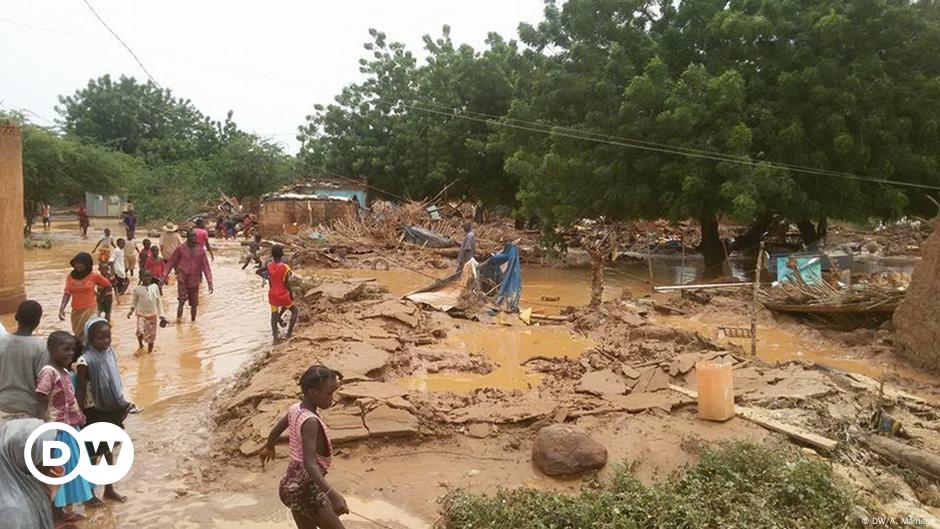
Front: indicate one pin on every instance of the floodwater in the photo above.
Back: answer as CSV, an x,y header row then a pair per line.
x,y
506,346
189,357
173,386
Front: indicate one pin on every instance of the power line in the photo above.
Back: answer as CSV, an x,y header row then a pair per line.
x,y
670,150
126,47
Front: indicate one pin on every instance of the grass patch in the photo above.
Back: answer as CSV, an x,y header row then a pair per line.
x,y
734,485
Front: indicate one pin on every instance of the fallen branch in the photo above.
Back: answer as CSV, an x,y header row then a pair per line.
x,y
920,461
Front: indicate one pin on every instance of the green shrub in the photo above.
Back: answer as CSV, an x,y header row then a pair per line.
x,y
734,485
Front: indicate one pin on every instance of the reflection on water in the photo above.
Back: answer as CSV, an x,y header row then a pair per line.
x,y
508,348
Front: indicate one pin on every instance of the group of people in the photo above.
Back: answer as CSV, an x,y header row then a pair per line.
x,y
67,379
73,377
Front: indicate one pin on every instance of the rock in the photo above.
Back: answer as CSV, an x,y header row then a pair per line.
x,y
651,379
603,382
388,421
251,447
345,424
480,430
375,390
357,357
629,372
561,450
395,310
338,292
685,362
400,403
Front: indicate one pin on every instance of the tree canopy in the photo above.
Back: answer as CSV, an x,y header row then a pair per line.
x,y
635,109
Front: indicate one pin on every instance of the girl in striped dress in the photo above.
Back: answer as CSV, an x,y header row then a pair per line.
x,y
303,489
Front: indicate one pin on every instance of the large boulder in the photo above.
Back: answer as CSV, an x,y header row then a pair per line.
x,y
561,450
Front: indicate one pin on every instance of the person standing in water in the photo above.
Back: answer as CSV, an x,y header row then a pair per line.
x,y
22,356
100,393
106,243
83,222
131,256
304,489
130,224
24,500
55,391
468,248
46,212
148,304
191,264
170,239
119,268
202,236
80,287
280,295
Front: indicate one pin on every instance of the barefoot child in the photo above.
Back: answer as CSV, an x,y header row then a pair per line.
x,y
144,254
156,266
104,246
56,394
118,268
99,391
280,295
303,489
131,256
148,304
105,293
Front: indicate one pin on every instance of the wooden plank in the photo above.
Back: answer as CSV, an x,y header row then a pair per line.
x,y
760,418
705,286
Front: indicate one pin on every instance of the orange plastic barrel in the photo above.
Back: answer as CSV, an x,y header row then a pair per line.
x,y
715,391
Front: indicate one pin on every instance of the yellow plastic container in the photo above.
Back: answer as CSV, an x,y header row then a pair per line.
x,y
715,391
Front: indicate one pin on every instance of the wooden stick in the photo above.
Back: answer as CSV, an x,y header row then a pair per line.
x,y
756,303
920,461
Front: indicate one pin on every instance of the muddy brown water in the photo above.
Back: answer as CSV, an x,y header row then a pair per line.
x,y
173,386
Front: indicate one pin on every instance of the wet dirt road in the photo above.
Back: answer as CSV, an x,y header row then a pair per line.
x,y
173,386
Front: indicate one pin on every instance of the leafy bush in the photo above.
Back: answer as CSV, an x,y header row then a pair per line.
x,y
734,485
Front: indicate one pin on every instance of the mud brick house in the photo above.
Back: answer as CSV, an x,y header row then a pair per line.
x,y
310,202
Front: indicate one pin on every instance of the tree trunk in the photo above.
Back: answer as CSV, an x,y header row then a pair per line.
x,y
808,233
597,278
750,239
711,247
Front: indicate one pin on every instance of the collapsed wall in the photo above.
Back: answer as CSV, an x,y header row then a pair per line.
x,y
917,318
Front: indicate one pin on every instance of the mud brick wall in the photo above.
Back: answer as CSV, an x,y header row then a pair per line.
x,y
11,218
917,319
289,216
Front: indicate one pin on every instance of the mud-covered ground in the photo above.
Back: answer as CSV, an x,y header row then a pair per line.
x,y
432,403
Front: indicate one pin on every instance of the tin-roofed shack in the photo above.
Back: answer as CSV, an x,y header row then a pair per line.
x,y
308,203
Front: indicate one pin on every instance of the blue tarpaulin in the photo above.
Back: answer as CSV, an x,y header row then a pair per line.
x,y
510,279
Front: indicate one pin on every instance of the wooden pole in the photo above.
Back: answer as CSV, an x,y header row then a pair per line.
x,y
682,268
649,263
757,270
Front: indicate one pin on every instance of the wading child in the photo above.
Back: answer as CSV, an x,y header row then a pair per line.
x,y
83,222
105,295
280,295
118,268
144,255
99,391
303,489
55,391
104,246
157,267
254,246
148,304
131,255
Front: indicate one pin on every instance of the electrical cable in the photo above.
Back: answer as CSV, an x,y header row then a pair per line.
x,y
119,39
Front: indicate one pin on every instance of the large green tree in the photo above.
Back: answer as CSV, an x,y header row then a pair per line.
x,y
720,101
397,127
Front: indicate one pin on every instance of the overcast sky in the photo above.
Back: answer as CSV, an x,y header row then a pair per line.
x,y
269,61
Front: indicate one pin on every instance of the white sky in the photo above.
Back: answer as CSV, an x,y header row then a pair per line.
x,y
269,61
